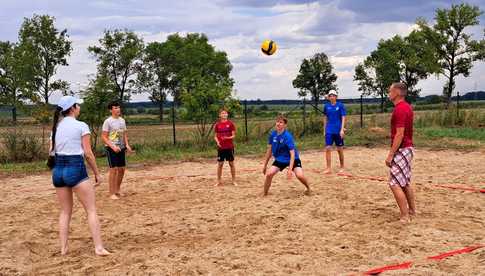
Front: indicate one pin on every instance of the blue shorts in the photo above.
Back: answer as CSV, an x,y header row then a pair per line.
x,y
331,138
69,171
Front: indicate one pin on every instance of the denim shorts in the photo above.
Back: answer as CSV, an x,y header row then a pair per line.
x,y
69,171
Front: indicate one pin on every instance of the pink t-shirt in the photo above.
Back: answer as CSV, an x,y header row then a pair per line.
x,y
402,116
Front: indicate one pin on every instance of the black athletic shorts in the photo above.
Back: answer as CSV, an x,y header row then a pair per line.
x,y
282,166
116,159
225,154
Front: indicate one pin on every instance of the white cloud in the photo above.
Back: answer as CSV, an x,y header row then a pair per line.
x,y
347,33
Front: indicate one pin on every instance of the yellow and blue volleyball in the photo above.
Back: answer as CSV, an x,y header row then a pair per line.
x,y
268,47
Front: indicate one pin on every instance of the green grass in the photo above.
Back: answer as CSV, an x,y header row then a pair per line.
x,y
153,145
157,153
460,133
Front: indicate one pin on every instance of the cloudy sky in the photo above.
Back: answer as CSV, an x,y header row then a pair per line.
x,y
346,30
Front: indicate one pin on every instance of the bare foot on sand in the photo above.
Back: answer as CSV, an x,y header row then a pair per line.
x,y
327,171
64,251
412,214
307,192
114,197
218,184
102,252
405,219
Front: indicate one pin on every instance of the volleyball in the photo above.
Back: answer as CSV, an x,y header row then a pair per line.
x,y
268,47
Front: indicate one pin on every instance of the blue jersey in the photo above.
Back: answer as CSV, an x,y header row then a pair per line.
x,y
334,115
281,144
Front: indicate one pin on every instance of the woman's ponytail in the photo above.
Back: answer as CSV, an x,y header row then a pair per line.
x,y
57,113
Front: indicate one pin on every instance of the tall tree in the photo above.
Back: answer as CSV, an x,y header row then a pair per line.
x,y
197,57
99,92
409,58
375,75
119,58
51,46
17,78
455,48
158,75
201,80
204,100
316,77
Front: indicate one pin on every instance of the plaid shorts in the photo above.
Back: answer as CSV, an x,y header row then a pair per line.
x,y
401,167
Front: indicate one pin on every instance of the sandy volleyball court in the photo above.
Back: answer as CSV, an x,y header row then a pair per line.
x,y
172,220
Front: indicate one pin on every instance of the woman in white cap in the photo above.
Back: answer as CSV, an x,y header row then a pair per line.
x,y
70,144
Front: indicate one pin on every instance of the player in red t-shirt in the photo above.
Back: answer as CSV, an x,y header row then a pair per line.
x,y
401,153
225,132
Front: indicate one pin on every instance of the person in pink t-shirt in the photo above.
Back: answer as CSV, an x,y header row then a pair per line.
x,y
401,153
225,132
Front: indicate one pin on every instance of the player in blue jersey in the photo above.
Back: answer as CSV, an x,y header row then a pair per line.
x,y
281,146
334,127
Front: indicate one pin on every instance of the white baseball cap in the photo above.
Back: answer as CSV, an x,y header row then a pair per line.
x,y
67,102
333,92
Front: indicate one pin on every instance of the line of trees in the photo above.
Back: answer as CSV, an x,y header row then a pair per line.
x,y
28,67
443,49
197,76
188,68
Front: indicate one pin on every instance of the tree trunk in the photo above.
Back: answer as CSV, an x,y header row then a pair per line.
x,y
14,115
46,91
316,98
451,82
449,92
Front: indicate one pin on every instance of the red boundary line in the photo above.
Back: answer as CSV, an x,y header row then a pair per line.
x,y
381,179
379,270
439,257
455,252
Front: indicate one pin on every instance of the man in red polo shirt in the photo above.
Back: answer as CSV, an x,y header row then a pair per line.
x,y
225,132
401,153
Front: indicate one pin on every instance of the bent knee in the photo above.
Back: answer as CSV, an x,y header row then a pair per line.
x,y
270,174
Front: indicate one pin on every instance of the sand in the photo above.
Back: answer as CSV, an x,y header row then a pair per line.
x,y
171,220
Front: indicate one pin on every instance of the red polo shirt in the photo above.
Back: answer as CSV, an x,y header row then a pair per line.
x,y
402,116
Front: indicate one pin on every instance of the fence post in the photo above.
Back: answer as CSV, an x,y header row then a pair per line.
x,y
361,111
14,115
457,105
304,117
173,122
246,118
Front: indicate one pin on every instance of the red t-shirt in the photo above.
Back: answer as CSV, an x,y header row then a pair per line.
x,y
225,129
402,116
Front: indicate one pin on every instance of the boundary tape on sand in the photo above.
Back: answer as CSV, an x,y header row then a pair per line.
x,y
406,265
446,186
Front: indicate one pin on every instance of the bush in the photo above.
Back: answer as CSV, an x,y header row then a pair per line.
x,y
128,111
18,146
140,110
